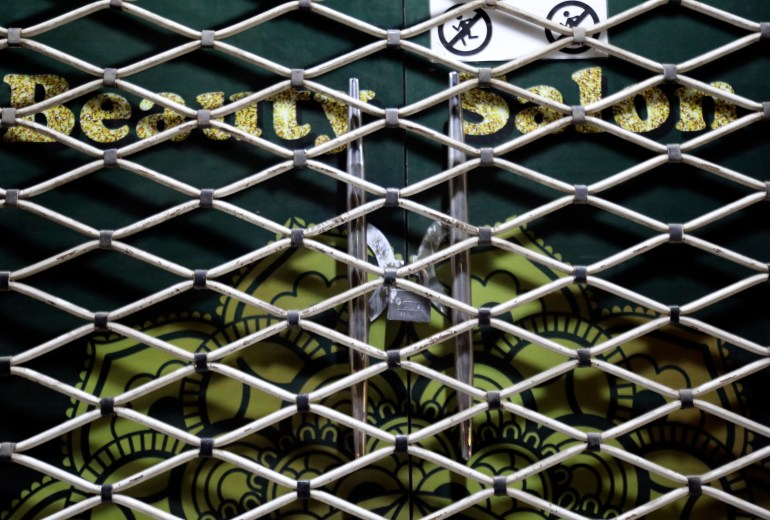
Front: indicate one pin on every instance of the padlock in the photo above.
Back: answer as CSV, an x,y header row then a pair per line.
x,y
408,306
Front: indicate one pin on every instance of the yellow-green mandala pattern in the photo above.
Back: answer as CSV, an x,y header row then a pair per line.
x,y
306,445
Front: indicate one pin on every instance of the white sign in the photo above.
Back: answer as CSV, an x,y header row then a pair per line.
x,y
491,35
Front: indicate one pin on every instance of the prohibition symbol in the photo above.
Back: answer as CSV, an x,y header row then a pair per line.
x,y
468,35
571,14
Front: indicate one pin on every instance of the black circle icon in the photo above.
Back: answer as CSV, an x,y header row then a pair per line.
x,y
466,35
571,13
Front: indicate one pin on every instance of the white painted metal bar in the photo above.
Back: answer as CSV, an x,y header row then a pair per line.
x,y
255,426
253,382
732,256
253,467
60,180
153,385
344,505
643,463
55,385
461,387
344,383
530,296
627,254
628,14
345,59
725,336
544,420
53,301
631,296
149,301
544,505
256,20
654,505
157,425
60,99
341,257
342,298
641,420
532,215
157,59
355,262
441,255
343,339
713,135
531,137
268,507
54,261
363,461
160,21
535,339
359,213
455,467
141,507
247,341
54,344
630,335
250,258
460,505
65,18
436,99
436,21
56,432
628,174
732,417
242,297
437,338
721,15
632,377
55,473
447,423
349,21
753,509
345,139
632,216
736,465
154,471
721,294
718,53
341,176
76,508
546,463
538,379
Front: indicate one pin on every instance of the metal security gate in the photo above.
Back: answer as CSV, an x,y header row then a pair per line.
x,y
561,311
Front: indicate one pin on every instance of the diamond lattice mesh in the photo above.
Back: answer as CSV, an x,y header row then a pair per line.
x,y
180,334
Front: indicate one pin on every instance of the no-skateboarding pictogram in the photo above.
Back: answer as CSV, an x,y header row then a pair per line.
x,y
572,13
466,35
477,33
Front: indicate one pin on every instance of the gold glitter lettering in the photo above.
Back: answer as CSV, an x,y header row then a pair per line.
x,y
153,124
58,118
691,109
658,110
589,82
530,119
492,108
105,107
337,115
211,101
285,114
247,117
